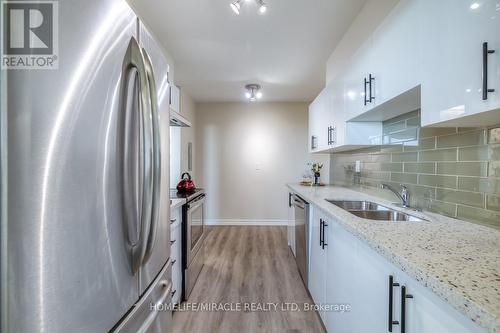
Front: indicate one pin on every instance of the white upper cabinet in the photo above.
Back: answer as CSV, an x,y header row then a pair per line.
x,y
175,98
336,125
384,74
328,129
455,67
395,55
316,114
357,82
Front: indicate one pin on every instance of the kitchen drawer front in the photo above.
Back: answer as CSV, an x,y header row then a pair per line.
x,y
176,258
175,217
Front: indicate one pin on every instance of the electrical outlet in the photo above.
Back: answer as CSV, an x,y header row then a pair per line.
x,y
358,166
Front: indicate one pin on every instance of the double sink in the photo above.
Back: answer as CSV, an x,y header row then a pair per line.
x,y
373,211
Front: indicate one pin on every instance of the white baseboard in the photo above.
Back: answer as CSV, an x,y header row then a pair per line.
x,y
242,222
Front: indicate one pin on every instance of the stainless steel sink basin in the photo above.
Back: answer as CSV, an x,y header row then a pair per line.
x,y
388,215
373,211
358,205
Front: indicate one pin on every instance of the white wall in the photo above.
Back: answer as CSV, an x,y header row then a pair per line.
x,y
368,19
246,153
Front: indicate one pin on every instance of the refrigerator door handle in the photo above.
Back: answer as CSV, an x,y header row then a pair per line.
x,y
134,60
156,158
157,307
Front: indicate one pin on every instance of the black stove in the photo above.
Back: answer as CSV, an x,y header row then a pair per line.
x,y
188,196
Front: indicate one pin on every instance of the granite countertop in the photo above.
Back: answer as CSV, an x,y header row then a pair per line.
x,y
174,203
459,261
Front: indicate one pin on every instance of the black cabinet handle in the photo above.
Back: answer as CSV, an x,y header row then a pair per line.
x,y
289,199
313,142
331,134
324,226
365,96
334,135
392,284
321,232
174,261
371,79
404,296
486,52
172,242
173,293
172,221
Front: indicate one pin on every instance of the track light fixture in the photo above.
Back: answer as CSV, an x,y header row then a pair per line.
x,y
253,92
236,6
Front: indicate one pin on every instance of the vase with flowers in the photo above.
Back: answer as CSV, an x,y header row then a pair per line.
x,y
316,169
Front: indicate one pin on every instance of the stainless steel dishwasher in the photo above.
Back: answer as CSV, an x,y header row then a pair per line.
x,y
301,235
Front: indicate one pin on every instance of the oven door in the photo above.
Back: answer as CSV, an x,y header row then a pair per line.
x,y
194,226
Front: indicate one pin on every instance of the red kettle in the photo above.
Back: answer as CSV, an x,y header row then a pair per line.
x,y
186,184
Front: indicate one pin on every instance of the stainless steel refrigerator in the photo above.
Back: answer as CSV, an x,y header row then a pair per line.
x,y
85,241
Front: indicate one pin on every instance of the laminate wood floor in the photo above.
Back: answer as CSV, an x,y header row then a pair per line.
x,y
247,265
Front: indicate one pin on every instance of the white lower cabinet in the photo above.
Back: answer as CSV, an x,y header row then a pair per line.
x,y
176,253
357,280
291,224
353,280
318,263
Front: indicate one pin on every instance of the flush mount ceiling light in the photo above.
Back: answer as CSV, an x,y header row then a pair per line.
x,y
236,6
253,92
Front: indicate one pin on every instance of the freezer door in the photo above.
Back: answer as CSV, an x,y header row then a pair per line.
x,y
159,243
65,258
153,313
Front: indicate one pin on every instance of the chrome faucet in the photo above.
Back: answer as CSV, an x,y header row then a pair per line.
x,y
404,196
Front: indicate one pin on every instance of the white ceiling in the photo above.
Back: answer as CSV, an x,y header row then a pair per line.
x,y
217,52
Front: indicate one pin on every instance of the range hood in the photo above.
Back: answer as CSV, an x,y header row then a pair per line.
x,y
177,120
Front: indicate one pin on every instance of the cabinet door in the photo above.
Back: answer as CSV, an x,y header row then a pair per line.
x,y
319,121
396,52
175,98
317,269
426,312
354,87
291,224
453,33
314,114
336,117
358,277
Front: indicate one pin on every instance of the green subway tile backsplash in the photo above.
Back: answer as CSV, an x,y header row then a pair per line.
x,y
494,135
407,178
494,152
426,167
405,157
484,185
493,202
394,127
473,153
480,216
436,131
438,181
438,155
476,169
449,171
460,197
494,169
475,138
